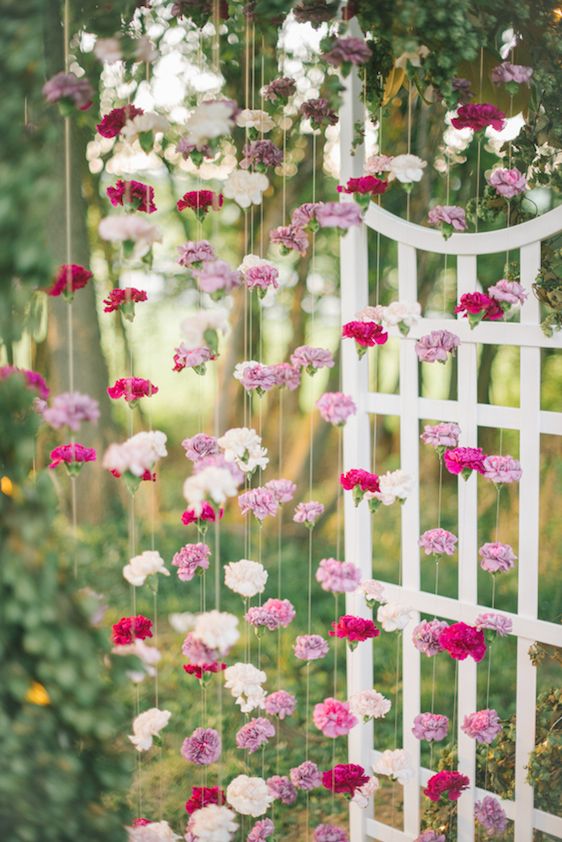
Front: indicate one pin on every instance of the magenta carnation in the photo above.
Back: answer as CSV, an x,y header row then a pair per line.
x,y
72,455
446,783
344,778
353,629
461,640
365,334
69,278
464,460
477,307
478,116
132,194
129,629
111,123
132,389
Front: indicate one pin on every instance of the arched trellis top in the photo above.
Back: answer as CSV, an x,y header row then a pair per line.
x,y
487,242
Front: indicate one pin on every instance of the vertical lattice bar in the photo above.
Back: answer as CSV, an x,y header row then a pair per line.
x,y
529,495
409,462
354,282
468,548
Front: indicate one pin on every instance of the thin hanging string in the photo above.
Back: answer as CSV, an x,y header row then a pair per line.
x,y
436,592
410,94
479,147
446,256
396,701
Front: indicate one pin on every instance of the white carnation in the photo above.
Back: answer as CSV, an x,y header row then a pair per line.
x,y
242,445
213,823
244,682
208,121
245,577
394,617
249,796
371,314
250,118
369,704
153,832
246,188
148,563
147,725
217,630
130,228
108,50
394,763
401,312
212,483
394,485
193,328
181,621
362,796
136,455
407,168
372,590
147,122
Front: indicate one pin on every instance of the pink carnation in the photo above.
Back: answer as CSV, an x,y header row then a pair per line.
x,y
348,50
287,375
354,629
451,217
491,815
70,89
463,460
197,652
338,576
306,776
502,469
281,88
199,446
290,238
508,292
311,359
366,185
129,629
305,214
216,277
329,833
496,557
69,278
282,789
124,300
132,389
308,513
336,408
195,253
195,358
483,726
461,640
310,647
450,784
254,734
430,727
132,194
260,501
477,306
33,380
333,718
202,747
436,346
318,110
273,614
282,489
507,72
478,116
438,542
261,154
191,559
507,182
200,201
261,831
494,622
255,376
340,215
73,455
441,435
365,334
70,410
262,277
281,704
426,637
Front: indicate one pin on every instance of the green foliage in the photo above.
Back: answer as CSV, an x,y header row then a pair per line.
x,y
60,760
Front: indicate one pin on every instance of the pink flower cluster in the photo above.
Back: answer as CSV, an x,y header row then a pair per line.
x,y
310,647
507,73
191,559
478,116
311,359
71,409
333,718
282,789
70,90
442,435
449,218
307,776
72,455
353,629
489,621
365,334
507,182
502,469
195,358
273,614
446,783
346,51
194,253
496,557
111,123
260,832
464,460
462,641
426,637
338,576
199,446
436,346
132,194
336,408
329,833
216,278
491,815
430,727
124,300
308,513
255,376
260,501
477,307
282,489
438,542
483,726
344,778
132,389
260,155
261,277
254,734
203,747
280,703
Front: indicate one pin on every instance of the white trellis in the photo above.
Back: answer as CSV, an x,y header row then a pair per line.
x,y
528,419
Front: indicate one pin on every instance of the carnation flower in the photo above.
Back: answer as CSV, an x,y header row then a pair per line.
x,y
130,628
364,188
282,489
111,123
208,121
133,195
191,559
477,307
507,182
273,614
197,651
318,110
449,218
347,51
217,630
244,682
430,727
307,776
33,380
195,358
494,622
395,764
69,91
339,215
261,154
353,629
260,501
333,718
246,188
312,359
369,704
360,482
308,513
430,835
213,823
407,168
483,726
256,119
124,300
245,577
344,778
132,389
426,637
69,278
478,116
282,789
441,436
511,75
305,216
338,576
209,484
446,783
73,456
378,164
502,469
216,278
140,567
148,725
365,334
261,831
254,734
70,409
461,640
280,704
194,253
438,542
199,446
363,794
204,671
290,238
136,233
144,127
200,202
202,515
398,313
310,647
281,89
255,376
491,815
242,445
150,832
329,833
393,486
436,346
108,50
464,460
372,591
203,747
336,408
249,796
393,617
508,293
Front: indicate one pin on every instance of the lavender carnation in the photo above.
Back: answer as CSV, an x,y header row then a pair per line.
x,y
202,747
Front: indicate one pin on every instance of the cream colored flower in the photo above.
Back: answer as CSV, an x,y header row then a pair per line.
x,y
148,725
217,630
407,168
246,188
245,577
250,118
394,617
148,563
249,796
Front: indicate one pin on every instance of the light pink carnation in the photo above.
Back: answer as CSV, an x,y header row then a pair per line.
x,y
281,704
441,435
507,183
425,637
341,215
494,622
287,375
338,576
290,238
450,215
71,409
491,815
254,734
199,446
197,652
308,513
329,833
216,277
195,253
336,408
333,718
262,276
496,557
305,214
307,776
430,727
311,359
260,501
255,376
310,647
190,559
483,726
282,789
436,346
282,489
501,469
260,832
507,72
508,292
438,542
195,358
273,614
